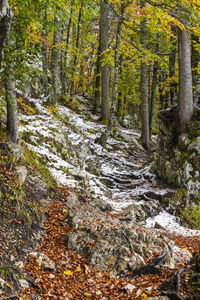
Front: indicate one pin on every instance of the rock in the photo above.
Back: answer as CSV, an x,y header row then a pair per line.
x,y
129,288
21,173
195,146
23,283
16,151
19,264
102,205
72,199
2,283
183,140
115,246
45,262
35,187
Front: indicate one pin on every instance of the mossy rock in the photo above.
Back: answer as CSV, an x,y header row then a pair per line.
x,y
193,127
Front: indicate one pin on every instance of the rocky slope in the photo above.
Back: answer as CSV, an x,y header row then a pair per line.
x,y
117,214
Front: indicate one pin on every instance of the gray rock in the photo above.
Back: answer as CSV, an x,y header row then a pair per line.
x,y
23,283
35,187
2,283
113,245
195,146
16,151
129,288
183,140
44,261
21,173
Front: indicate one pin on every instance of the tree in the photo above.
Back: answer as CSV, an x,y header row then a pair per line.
x,y
185,78
144,87
105,83
55,60
5,19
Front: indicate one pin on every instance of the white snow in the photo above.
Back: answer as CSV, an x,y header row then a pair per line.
x,y
169,222
113,163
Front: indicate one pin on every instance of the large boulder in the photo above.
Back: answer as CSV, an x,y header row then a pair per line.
x,y
114,245
178,156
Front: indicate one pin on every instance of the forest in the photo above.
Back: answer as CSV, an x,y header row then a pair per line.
x,y
100,149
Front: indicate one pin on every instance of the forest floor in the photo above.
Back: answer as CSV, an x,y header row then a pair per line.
x,y
125,179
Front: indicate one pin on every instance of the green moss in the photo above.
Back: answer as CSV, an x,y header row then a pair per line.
x,y
193,127
185,157
91,131
72,102
39,165
192,214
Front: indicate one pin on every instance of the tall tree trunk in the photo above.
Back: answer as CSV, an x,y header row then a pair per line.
x,y
185,79
45,56
153,96
144,87
153,88
77,49
105,85
172,66
97,93
12,114
119,100
115,80
64,63
116,70
5,20
55,61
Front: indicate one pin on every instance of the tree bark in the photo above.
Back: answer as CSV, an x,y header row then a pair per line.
x,y
45,56
153,96
55,62
64,64
172,66
12,114
97,93
5,20
77,49
115,80
105,84
144,88
185,79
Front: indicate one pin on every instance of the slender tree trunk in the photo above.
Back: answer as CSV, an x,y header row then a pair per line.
x,y
119,100
64,65
105,86
55,62
45,56
153,96
115,80
12,114
185,79
172,67
97,93
77,49
116,71
144,88
5,20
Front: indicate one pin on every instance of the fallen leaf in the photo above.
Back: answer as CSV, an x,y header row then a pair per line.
x,y
68,272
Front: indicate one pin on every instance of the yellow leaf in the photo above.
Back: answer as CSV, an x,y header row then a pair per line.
x,y
65,210
86,294
78,270
68,272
